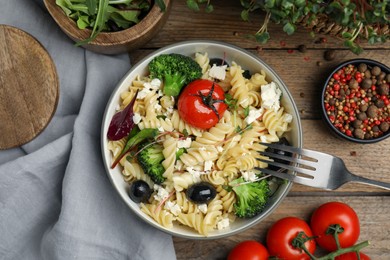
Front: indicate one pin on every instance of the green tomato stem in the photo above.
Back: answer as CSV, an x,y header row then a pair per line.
x,y
356,248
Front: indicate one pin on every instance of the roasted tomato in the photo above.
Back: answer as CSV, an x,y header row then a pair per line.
x,y
281,235
202,103
333,213
248,250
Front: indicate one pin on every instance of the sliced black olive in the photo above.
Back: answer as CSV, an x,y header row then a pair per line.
x,y
218,62
139,191
247,74
200,193
282,141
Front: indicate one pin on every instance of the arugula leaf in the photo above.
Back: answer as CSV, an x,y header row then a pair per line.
x,y
92,6
134,139
99,23
102,15
161,4
83,21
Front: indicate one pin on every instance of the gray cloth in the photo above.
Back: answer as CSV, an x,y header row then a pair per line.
x,y
56,201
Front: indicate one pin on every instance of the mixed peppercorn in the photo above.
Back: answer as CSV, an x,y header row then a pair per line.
x,y
357,101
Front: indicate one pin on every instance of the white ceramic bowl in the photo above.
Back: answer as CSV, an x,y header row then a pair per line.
x,y
215,50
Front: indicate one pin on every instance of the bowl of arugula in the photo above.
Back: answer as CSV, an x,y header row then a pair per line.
x,y
109,26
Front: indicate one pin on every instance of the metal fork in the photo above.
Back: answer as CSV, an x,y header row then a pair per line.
x,y
320,170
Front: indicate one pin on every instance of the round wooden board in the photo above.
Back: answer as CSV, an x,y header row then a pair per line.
x,y
28,87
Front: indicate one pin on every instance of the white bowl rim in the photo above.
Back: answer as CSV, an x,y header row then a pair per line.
x,y
255,220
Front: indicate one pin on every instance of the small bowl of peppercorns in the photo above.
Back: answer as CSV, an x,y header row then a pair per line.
x,y
356,101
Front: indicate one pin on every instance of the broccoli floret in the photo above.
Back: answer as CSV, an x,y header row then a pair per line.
x,y
150,157
175,70
251,197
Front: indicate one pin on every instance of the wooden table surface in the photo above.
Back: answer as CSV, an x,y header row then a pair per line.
x,y
304,74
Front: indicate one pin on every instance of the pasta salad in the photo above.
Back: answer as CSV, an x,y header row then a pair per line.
x,y
201,163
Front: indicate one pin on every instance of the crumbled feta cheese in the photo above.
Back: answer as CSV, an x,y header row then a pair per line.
x,y
137,118
169,110
253,115
218,72
195,174
287,118
155,84
270,96
208,165
203,208
186,143
223,223
161,193
157,106
172,207
143,93
249,175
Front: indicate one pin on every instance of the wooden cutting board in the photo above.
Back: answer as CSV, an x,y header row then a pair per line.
x,y
29,87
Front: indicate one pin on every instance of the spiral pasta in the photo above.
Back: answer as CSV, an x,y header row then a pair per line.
x,y
169,152
228,199
195,221
203,60
161,216
219,155
239,88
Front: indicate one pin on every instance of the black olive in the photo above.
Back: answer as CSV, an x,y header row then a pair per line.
x,y
200,193
247,74
282,141
140,191
218,62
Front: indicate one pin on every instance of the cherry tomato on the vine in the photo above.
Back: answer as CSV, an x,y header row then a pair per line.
x,y
281,234
352,256
332,213
201,103
249,250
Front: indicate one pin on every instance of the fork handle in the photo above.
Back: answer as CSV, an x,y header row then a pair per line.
x,y
380,184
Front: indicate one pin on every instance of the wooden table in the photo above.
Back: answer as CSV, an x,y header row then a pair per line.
x,y
304,75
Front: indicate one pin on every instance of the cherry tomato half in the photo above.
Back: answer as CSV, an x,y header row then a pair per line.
x,y
248,250
332,213
201,103
281,234
352,256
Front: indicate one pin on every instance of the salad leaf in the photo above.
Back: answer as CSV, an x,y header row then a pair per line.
x,y
122,122
139,137
106,15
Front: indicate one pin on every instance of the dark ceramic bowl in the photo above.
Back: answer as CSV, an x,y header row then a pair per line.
x,y
367,121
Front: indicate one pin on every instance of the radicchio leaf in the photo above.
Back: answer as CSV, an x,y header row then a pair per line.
x,y
122,122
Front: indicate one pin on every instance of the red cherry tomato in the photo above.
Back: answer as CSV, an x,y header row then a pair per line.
x,y
201,103
248,250
335,213
281,234
352,256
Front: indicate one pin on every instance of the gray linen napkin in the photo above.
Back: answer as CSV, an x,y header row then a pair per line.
x,y
56,201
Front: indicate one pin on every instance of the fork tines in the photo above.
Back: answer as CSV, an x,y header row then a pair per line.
x,y
277,163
